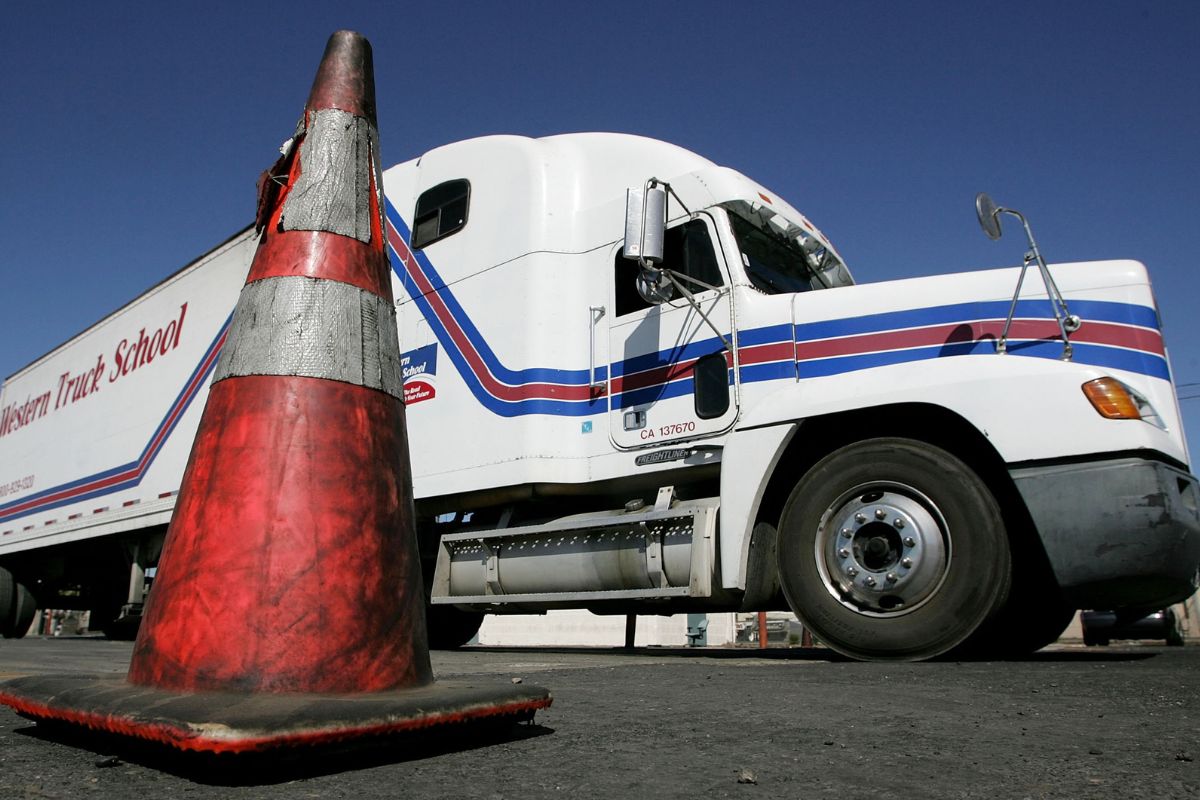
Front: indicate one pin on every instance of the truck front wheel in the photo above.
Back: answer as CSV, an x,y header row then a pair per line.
x,y
892,549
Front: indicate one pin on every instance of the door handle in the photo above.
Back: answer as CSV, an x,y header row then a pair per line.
x,y
595,314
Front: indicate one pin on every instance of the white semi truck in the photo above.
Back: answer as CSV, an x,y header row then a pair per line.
x,y
639,382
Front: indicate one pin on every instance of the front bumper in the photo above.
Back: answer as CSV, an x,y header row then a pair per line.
x,y
1119,533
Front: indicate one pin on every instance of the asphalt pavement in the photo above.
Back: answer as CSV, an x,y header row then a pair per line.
x,y
1120,722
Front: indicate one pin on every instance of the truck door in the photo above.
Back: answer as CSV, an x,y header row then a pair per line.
x,y
671,375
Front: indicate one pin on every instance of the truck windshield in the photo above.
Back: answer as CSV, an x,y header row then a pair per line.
x,y
776,261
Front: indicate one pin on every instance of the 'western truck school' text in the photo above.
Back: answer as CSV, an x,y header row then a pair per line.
x,y
130,353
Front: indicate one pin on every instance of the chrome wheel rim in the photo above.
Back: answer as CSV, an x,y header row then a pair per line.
x,y
883,549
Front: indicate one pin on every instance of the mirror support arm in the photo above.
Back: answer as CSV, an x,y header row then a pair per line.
x,y
678,284
652,279
989,219
1067,322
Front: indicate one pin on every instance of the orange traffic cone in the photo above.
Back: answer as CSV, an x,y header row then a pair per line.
x,y
288,607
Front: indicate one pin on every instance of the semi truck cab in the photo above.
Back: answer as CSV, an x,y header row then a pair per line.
x,y
733,423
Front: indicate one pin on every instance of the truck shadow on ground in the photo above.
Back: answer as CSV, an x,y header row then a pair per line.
x,y
1061,657
814,654
285,765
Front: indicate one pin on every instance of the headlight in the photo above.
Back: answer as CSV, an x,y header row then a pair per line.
x,y
1114,399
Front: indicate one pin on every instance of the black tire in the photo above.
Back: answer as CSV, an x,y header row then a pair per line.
x,y
450,628
108,599
1032,617
17,607
122,629
893,549
1016,634
447,627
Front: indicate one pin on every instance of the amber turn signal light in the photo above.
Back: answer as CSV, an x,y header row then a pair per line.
x,y
1112,399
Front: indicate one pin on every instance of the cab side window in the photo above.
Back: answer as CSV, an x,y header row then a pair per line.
x,y
687,250
441,211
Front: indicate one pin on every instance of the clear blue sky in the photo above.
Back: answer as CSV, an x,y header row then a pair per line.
x,y
134,132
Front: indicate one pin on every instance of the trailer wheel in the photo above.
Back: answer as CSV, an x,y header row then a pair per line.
x,y
17,607
893,549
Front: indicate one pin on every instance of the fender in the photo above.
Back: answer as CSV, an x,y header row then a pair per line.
x,y
746,453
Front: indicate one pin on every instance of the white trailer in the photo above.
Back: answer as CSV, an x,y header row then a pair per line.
x,y
728,423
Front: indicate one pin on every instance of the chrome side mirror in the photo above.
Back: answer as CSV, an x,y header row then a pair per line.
x,y
989,218
646,223
645,238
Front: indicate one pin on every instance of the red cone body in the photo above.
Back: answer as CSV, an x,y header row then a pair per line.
x,y
291,562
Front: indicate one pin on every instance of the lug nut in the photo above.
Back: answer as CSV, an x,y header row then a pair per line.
x,y
844,553
880,514
852,572
899,523
847,532
906,562
870,581
910,541
860,518
891,577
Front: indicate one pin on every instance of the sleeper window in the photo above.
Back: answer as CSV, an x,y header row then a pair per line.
x,y
440,212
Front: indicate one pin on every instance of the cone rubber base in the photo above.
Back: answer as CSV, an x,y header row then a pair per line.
x,y
230,722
